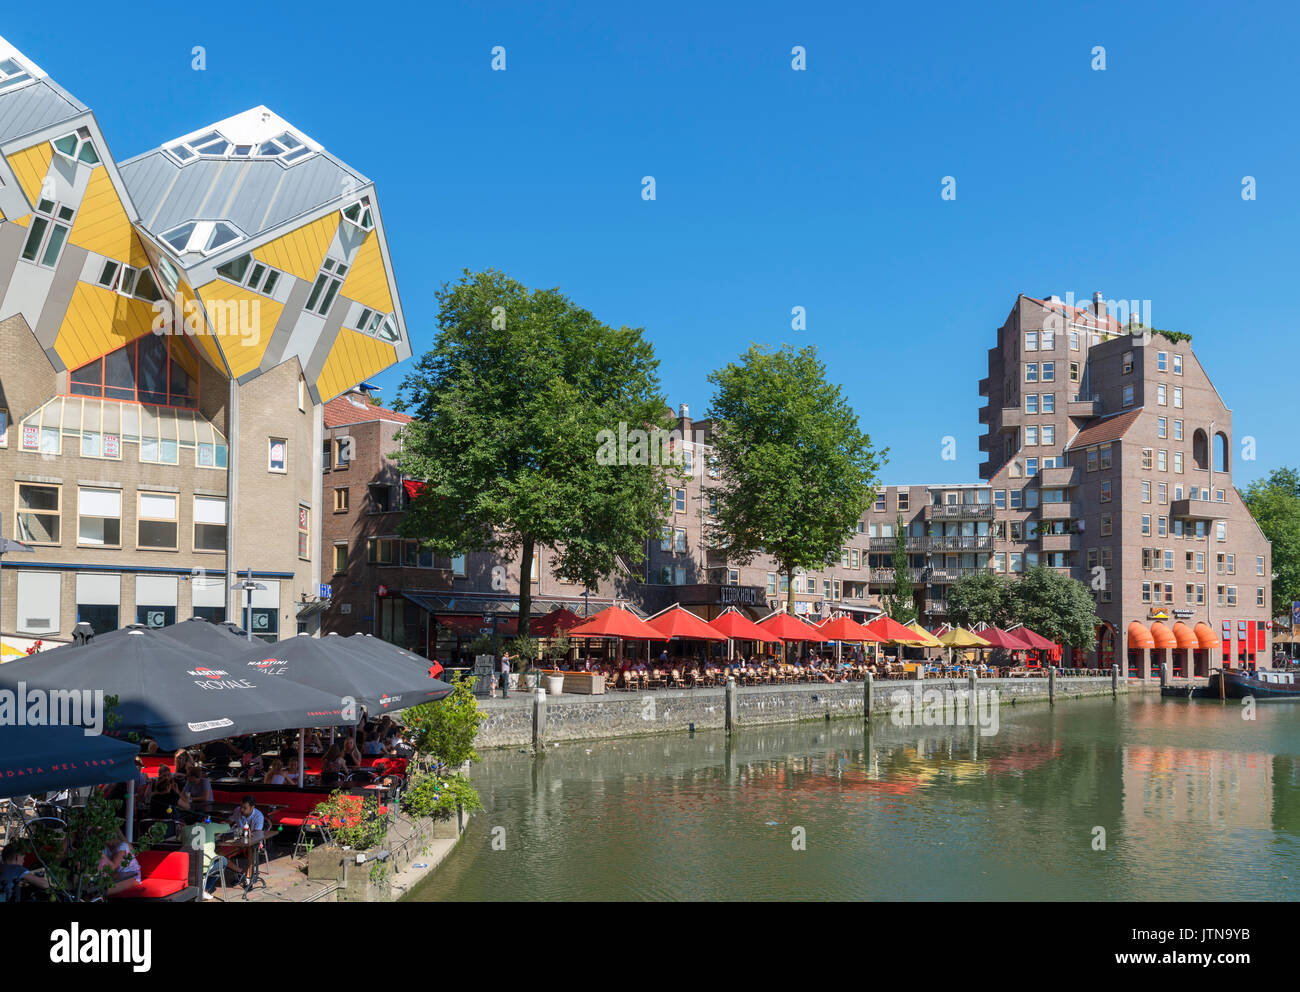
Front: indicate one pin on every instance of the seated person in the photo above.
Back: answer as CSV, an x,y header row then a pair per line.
x,y
351,756
294,774
13,873
166,797
197,786
373,746
248,815
275,775
332,766
118,859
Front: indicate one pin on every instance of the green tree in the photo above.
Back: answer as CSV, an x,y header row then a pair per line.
x,y
1056,606
510,406
445,730
797,471
984,597
1274,502
899,603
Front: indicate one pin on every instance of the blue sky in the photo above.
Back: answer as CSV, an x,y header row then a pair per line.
x,y
778,188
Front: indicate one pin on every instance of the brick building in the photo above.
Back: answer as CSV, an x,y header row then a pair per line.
x,y
170,327
1108,459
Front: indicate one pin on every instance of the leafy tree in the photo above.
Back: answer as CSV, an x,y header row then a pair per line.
x,y
900,604
984,597
797,471
1056,606
510,406
1274,502
445,730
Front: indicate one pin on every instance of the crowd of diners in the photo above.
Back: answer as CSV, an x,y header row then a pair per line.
x,y
166,791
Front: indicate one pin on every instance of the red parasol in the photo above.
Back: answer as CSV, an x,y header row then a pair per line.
x,y
738,627
789,628
678,622
616,622
844,629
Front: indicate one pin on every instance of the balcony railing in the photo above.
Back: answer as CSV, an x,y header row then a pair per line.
x,y
960,543
937,606
1084,405
959,511
1198,509
1060,476
1059,511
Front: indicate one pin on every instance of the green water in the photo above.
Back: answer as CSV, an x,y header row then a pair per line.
x,y
1196,803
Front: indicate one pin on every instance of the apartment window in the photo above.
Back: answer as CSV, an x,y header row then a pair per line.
x,y
382,551
341,500
1106,525
679,540
4,427
379,498
1128,395
458,566
1162,526
99,601
713,508
1105,456
1232,595
1074,340
1049,340
1162,361
48,233
277,454
156,527
1105,492
1147,554
1031,372
1221,530
1000,498
265,610
999,561
208,455
879,506
39,512
1259,595
1178,397
1169,560
1126,363
209,523
99,518
415,556
1219,591
1049,402
771,583
1016,561
1232,564
855,560
1031,402
342,452
1015,499
1049,371
326,456
904,500
340,557
1031,340
1160,394
1178,430
1031,436
245,271
733,576
1218,495
679,501
1049,434
1146,491
1146,592
1146,459
1178,461
1162,427
1259,565
1162,460
326,287
1146,525
155,600
1092,460
1178,364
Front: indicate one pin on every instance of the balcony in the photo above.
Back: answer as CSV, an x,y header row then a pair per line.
x,y
942,576
1060,542
974,542
1198,509
984,386
959,511
936,606
984,414
1059,511
1060,477
888,543
1084,405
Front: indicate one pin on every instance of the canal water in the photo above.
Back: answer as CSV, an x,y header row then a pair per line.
x,y
1195,803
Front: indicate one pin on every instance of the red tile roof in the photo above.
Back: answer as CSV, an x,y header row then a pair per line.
x,y
354,408
1110,428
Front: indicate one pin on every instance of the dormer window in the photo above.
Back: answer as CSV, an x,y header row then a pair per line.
x,y
77,147
359,215
284,147
128,281
377,325
12,74
245,271
202,236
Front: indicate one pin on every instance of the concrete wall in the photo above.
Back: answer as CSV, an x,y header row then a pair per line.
x,y
574,717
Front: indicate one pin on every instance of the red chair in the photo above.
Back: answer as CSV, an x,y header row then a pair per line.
x,y
163,875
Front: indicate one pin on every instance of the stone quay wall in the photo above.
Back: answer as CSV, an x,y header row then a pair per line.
x,y
510,722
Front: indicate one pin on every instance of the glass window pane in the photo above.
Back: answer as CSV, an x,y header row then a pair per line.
x,y
55,246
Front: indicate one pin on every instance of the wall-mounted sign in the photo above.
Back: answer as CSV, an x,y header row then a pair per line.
x,y
744,595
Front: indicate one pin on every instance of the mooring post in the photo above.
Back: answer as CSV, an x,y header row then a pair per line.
x,y
733,710
1164,674
868,696
539,719
1051,683
1114,680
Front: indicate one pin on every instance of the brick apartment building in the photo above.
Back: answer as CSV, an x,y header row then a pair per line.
x,y
1108,459
170,328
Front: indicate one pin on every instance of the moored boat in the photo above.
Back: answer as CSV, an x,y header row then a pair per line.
x,y
1263,684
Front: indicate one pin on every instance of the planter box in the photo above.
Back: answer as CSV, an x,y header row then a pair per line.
x,y
448,829
584,683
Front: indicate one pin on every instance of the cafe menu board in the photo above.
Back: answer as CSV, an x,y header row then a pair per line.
x,y
483,673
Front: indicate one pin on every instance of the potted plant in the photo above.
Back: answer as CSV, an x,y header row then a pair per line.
x,y
355,828
445,799
526,650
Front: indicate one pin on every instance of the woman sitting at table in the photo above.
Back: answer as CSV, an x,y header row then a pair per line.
x,y
351,756
294,774
332,766
181,762
275,775
118,859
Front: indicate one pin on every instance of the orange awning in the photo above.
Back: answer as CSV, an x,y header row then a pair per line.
x,y
1160,634
1184,637
1139,637
1206,638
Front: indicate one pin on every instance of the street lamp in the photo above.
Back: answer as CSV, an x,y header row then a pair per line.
x,y
249,587
6,546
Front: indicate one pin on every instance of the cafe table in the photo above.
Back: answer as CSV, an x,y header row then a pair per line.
x,y
248,843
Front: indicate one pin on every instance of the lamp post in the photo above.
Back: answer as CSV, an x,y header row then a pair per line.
x,y
249,587
6,546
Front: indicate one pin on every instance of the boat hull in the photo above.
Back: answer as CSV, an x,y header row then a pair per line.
x,y
1239,685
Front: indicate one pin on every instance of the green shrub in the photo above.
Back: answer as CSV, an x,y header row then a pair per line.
x,y
439,796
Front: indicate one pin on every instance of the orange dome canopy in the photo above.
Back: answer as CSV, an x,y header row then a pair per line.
x,y
1206,638
1139,637
1184,637
1162,637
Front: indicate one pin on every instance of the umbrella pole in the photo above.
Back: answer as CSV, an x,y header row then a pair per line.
x,y
302,762
130,810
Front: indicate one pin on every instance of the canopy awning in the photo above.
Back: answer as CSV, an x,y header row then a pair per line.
x,y
1004,639
679,622
1206,638
960,637
844,629
789,628
48,759
616,622
928,640
888,629
736,626
1035,640
1184,637
1162,637
1139,637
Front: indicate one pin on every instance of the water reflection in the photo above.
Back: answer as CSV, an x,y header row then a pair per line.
x,y
901,812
